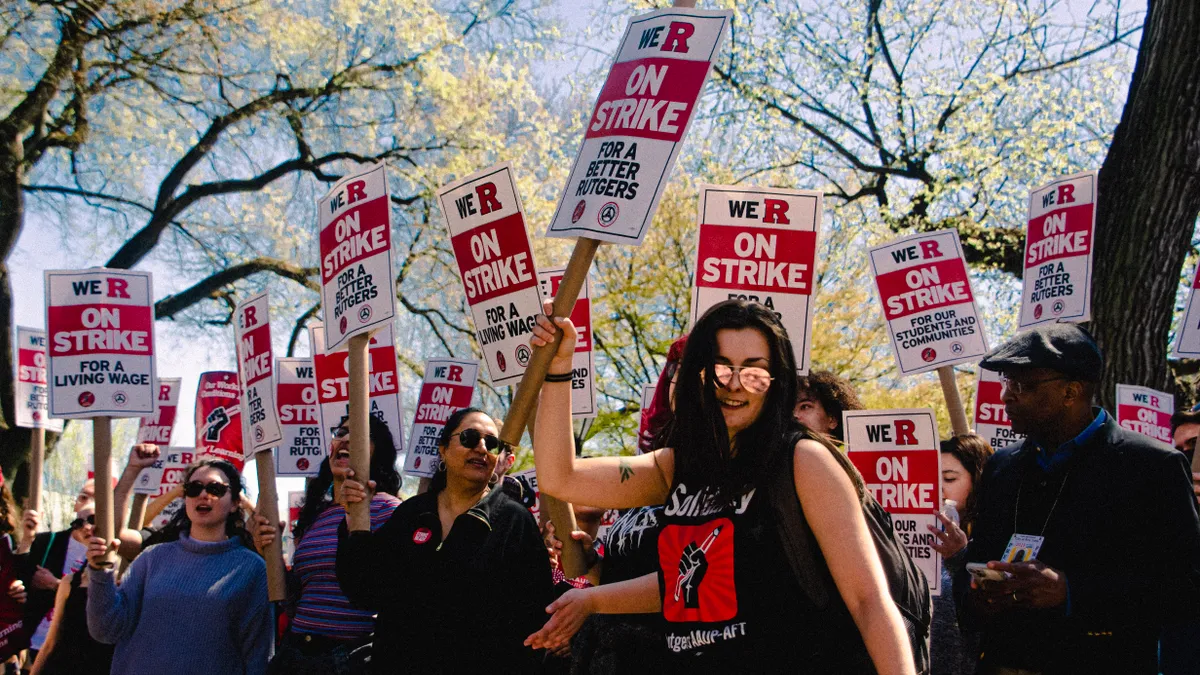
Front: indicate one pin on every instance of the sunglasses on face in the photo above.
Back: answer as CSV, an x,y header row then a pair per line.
x,y
470,439
79,522
215,488
752,378
341,432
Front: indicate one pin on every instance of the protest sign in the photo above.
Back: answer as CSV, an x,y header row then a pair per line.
x,y
583,367
991,419
759,244
927,301
100,324
1146,411
303,447
1187,335
1058,251
31,404
219,417
357,284
150,479
898,455
495,261
333,383
157,428
295,499
449,385
645,437
637,127
252,334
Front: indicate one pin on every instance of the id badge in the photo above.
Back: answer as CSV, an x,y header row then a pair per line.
x,y
1022,548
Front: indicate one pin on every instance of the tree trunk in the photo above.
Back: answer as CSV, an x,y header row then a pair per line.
x,y
1149,197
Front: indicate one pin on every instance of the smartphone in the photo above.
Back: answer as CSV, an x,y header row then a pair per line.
x,y
981,572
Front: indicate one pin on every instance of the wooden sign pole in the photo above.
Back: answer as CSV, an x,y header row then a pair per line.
x,y
563,516
137,511
268,507
958,414
37,455
358,516
102,459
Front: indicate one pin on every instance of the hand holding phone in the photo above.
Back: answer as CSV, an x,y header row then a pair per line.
x,y
981,572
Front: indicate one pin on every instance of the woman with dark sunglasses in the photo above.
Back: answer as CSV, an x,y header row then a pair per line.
x,y
458,575
729,597
207,585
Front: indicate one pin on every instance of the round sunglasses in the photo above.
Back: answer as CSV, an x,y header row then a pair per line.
x,y
752,378
214,488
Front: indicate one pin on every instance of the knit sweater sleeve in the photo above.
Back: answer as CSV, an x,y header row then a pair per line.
x,y
112,611
255,629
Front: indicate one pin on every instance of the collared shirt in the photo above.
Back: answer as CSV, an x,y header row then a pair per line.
x,y
1059,458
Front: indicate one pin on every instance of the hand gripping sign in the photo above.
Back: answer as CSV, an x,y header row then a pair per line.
x,y
637,127
1187,336
303,447
898,455
583,367
495,260
449,386
157,428
32,406
1146,411
356,257
1058,251
991,419
333,383
927,301
219,417
760,245
252,331
101,333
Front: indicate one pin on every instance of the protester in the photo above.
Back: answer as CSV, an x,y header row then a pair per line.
x,y
431,570
327,634
730,598
1185,428
1109,519
952,650
194,605
821,397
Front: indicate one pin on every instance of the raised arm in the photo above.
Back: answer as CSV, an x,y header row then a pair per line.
x,y
56,619
141,456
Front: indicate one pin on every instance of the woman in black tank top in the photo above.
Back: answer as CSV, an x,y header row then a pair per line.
x,y
728,596
69,648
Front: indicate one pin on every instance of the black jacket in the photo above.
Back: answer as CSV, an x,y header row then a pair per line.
x,y
1126,534
464,604
50,547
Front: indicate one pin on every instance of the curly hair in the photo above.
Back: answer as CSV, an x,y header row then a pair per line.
x,y
835,395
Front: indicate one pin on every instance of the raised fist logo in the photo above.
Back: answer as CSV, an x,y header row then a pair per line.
x,y
693,565
217,420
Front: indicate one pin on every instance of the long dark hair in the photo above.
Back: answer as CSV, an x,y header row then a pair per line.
x,y
8,511
383,471
438,482
235,524
972,451
698,433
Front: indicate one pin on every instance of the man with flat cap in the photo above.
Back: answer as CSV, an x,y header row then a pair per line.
x,y
1105,516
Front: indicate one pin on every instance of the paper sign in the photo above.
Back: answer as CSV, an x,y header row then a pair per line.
x,y
644,433
583,368
759,245
898,454
1146,411
157,428
252,331
332,372
529,477
101,339
991,419
219,417
357,282
303,447
167,472
1058,251
637,128
1187,336
449,385
927,301
495,261
32,406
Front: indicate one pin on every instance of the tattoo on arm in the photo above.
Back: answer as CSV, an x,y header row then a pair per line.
x,y
626,470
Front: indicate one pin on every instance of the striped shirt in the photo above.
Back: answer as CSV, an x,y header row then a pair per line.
x,y
323,609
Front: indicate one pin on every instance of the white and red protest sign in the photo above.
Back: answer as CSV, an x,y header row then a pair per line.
x,y
295,500
898,455
991,419
303,447
32,406
495,261
219,417
583,368
157,428
332,373
1058,251
167,471
1187,335
931,314
637,128
759,244
355,220
1146,411
529,477
449,385
100,324
252,334
644,432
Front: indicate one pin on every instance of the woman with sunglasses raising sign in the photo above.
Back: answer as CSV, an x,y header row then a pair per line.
x,y
207,585
458,575
730,599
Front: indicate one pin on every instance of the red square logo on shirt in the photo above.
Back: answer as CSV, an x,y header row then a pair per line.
x,y
697,565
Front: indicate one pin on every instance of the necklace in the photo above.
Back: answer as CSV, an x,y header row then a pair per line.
x,y
1017,506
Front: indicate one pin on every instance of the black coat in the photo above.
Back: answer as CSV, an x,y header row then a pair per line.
x,y
464,604
1126,534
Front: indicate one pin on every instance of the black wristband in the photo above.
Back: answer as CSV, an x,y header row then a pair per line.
x,y
560,377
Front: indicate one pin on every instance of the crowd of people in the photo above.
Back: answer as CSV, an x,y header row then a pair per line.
x,y
745,542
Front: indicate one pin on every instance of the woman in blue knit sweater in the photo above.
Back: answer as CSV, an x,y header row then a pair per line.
x,y
208,586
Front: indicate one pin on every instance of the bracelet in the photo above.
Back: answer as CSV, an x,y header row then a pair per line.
x,y
560,377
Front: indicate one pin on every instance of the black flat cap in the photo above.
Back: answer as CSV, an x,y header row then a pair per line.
x,y
1063,347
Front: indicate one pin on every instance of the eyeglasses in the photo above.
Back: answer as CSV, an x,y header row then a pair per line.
x,y
752,378
79,522
1018,387
341,432
215,488
470,439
